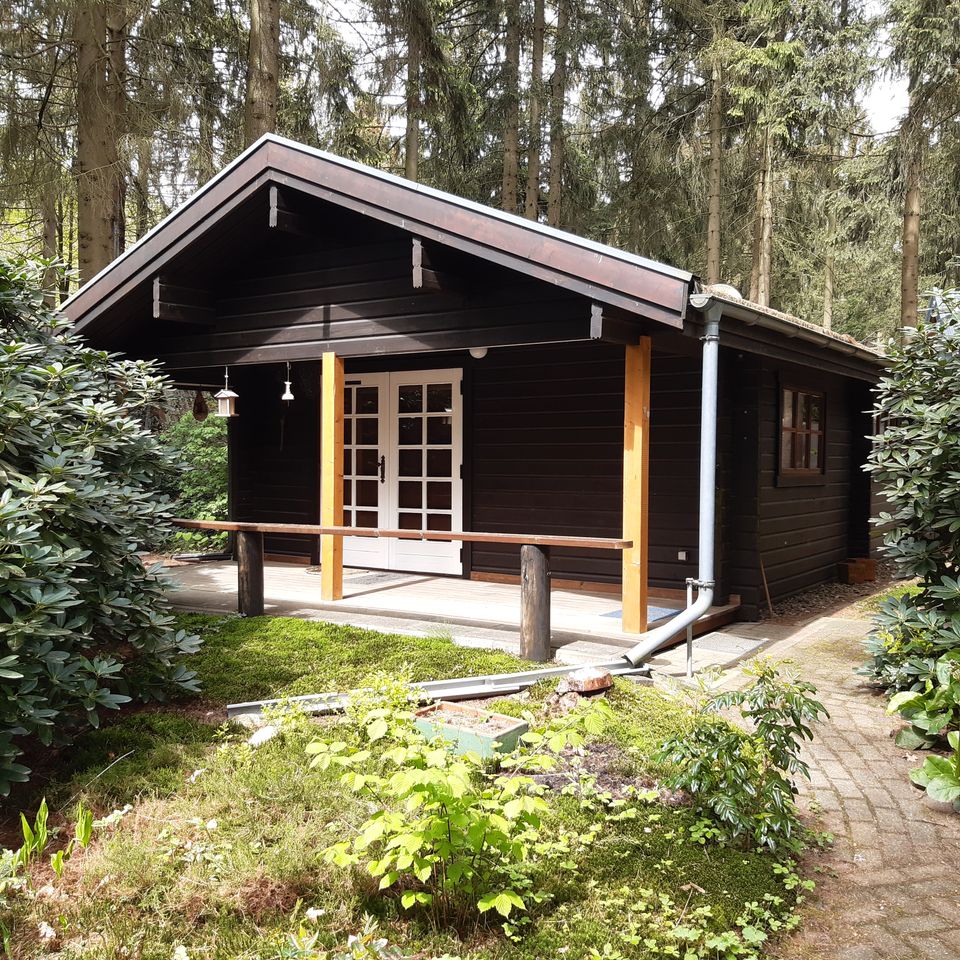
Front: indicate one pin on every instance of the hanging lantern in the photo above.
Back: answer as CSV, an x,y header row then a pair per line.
x,y
226,398
287,393
200,409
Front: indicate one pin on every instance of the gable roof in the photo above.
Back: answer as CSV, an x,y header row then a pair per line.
x,y
605,274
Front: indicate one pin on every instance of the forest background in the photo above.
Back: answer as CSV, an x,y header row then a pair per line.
x,y
807,152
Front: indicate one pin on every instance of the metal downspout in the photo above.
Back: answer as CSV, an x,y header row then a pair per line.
x,y
652,640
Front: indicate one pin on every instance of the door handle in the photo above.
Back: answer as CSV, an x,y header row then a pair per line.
x,y
383,469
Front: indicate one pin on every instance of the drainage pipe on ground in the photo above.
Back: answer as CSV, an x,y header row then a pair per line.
x,y
652,640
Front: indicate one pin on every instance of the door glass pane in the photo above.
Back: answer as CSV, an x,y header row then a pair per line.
x,y
411,399
348,400
366,518
438,521
411,494
347,518
439,430
439,463
409,521
411,430
440,398
347,461
367,399
367,493
348,431
347,485
367,463
411,463
439,495
367,431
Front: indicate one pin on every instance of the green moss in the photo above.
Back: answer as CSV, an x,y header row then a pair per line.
x,y
872,604
258,657
140,754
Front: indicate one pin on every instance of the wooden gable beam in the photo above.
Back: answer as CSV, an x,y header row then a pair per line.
x,y
283,217
606,323
427,277
182,304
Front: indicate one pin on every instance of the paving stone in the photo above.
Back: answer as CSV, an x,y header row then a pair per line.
x,y
895,859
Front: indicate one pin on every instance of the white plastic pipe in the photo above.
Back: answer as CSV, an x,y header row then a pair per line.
x,y
652,640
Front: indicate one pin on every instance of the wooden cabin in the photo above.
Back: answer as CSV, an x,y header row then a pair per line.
x,y
491,373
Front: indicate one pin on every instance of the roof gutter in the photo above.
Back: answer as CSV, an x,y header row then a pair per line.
x,y
746,313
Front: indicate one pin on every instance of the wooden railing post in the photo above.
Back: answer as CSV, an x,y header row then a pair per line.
x,y
636,484
250,574
534,602
331,477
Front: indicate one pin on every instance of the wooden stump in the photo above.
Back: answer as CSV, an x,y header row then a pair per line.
x,y
250,574
534,602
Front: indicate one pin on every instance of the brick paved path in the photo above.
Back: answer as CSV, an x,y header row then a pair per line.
x,y
892,886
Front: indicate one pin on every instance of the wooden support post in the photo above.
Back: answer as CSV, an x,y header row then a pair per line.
x,y
535,602
636,484
250,574
331,477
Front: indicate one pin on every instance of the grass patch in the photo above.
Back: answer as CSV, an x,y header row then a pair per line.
x,y
226,864
254,658
872,604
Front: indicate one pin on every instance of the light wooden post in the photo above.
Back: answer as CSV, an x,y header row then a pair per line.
x,y
636,484
331,477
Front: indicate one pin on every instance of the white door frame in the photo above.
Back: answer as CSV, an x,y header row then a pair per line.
x,y
422,556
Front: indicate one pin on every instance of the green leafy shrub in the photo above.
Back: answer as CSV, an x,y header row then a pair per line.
x,y
84,626
940,776
451,836
744,779
200,487
914,647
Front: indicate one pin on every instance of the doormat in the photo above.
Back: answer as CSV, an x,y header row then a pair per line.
x,y
654,614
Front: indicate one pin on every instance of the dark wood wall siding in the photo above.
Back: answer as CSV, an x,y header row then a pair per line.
x,y
547,455
275,452
360,301
805,531
738,481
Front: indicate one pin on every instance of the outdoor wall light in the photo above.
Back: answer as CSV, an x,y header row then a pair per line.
x,y
226,398
287,393
478,353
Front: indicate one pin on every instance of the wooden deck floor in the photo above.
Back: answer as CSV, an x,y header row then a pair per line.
x,y
575,614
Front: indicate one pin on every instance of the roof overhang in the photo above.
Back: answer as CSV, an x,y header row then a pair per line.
x,y
603,274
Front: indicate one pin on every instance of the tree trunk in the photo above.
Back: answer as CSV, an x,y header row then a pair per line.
x,y
144,161
263,70
51,229
97,168
910,244
558,89
411,150
715,175
766,226
116,83
532,204
829,267
207,109
511,118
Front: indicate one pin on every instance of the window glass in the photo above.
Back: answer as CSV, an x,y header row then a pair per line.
x,y
801,432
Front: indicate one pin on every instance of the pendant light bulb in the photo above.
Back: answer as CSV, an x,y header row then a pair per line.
x,y
288,392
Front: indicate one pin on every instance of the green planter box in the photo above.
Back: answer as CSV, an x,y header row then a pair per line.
x,y
470,729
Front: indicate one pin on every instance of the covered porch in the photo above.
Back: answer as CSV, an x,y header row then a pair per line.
x,y
484,611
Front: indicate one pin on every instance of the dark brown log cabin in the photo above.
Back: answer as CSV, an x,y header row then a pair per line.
x,y
484,379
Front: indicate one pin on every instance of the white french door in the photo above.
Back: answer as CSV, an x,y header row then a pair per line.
x,y
401,467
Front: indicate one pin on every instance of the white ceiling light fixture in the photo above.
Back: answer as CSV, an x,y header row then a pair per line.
x,y
478,353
